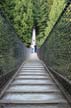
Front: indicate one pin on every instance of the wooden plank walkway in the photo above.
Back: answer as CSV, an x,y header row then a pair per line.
x,y
32,87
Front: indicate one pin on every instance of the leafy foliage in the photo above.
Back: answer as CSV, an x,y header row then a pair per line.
x,y
40,13
20,14
24,15
57,7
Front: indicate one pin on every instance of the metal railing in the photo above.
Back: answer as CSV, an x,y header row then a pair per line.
x,y
56,50
12,51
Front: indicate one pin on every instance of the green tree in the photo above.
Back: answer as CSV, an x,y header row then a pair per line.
x,y
24,15
20,14
40,13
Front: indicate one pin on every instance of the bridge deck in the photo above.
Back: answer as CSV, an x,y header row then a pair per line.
x,y
33,87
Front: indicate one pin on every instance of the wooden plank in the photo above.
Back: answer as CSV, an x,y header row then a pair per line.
x,y
31,92
32,84
57,101
2,93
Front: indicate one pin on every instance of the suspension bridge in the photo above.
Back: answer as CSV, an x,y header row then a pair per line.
x,y
33,86
36,77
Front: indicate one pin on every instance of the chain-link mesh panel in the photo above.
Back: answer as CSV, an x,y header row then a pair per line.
x,y
12,50
56,50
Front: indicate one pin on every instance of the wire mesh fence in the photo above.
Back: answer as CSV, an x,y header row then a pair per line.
x,y
56,50
12,50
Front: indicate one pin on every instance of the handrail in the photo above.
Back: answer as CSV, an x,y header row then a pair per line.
x,y
18,49
56,52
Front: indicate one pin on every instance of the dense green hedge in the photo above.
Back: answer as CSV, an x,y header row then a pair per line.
x,y
12,51
57,48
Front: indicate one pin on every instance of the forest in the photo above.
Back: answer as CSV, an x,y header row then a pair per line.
x,y
24,15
